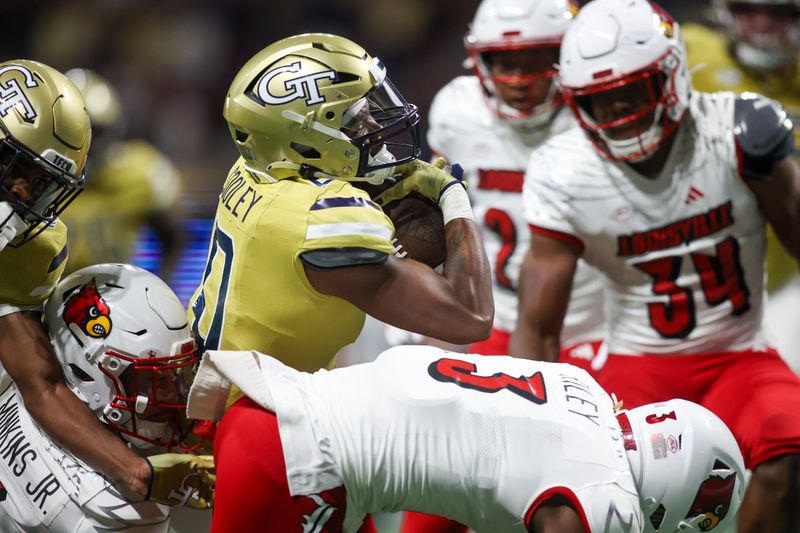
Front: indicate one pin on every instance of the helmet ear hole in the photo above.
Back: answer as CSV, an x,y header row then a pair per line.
x,y
241,136
305,151
80,374
657,517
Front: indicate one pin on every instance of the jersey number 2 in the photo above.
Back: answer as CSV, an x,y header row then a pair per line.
x,y
462,373
721,278
500,223
221,243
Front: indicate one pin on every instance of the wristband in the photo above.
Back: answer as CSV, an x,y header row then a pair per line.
x,y
454,203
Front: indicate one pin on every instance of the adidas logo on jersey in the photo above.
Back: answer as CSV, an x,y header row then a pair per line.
x,y
694,195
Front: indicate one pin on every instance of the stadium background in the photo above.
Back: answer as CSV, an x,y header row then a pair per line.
x,y
172,62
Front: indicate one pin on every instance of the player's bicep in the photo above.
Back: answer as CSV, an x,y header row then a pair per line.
x,y
779,201
26,353
401,292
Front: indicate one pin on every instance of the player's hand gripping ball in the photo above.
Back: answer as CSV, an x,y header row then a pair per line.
x,y
418,229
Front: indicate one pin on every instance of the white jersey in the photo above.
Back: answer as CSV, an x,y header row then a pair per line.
x,y
494,154
682,254
45,488
481,440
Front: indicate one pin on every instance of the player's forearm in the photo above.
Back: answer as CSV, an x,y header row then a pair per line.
x,y
529,342
68,421
467,269
27,356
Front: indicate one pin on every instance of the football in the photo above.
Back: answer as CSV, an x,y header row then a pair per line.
x,y
419,229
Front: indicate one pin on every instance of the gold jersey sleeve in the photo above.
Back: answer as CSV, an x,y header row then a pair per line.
x,y
30,272
133,181
713,69
254,293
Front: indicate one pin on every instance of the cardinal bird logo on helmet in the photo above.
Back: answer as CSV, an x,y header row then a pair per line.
x,y
87,310
713,501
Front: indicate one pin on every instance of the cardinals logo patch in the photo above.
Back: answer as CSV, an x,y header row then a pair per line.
x,y
87,310
712,501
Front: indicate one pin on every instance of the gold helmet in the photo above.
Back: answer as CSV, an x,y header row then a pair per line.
x,y
319,105
763,35
44,140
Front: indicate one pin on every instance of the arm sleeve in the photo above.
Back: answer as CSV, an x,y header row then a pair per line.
x,y
346,228
764,134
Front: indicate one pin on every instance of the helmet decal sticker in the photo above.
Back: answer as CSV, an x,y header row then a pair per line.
x,y
299,87
12,95
87,310
712,501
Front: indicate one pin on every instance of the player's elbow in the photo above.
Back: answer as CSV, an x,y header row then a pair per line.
x,y
475,327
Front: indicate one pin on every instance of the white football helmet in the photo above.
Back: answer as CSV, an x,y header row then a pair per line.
x,y
507,25
686,464
123,340
628,46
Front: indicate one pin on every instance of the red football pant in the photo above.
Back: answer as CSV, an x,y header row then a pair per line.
x,y
252,492
755,393
579,354
428,523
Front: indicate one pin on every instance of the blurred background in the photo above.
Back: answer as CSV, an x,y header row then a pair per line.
x,y
172,61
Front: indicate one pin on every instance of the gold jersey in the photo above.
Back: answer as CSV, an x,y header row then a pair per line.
x,y
29,274
133,181
713,69
255,294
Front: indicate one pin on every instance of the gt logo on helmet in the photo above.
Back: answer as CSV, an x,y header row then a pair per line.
x,y
12,95
87,310
299,87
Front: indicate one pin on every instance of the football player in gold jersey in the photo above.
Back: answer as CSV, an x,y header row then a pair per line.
x,y
132,185
758,51
44,141
298,253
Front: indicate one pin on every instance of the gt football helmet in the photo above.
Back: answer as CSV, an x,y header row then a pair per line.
x,y
763,35
318,105
44,141
123,341
686,464
513,25
630,52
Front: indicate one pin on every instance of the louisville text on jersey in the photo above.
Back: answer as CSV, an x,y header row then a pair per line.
x,y
676,233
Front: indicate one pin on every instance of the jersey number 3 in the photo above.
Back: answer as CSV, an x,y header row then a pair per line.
x,y
462,373
721,278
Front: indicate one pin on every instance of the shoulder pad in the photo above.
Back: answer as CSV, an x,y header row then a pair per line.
x,y
331,258
764,133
